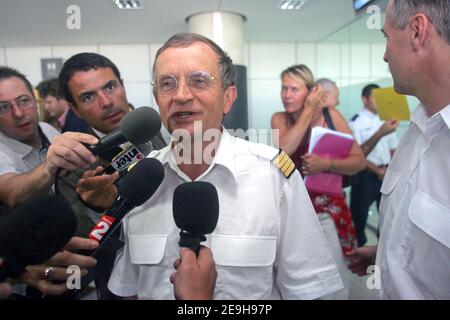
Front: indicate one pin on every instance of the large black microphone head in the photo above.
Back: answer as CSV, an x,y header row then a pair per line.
x,y
35,231
196,207
140,125
142,181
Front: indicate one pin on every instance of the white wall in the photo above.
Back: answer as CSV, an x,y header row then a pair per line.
x,y
351,66
2,56
28,60
133,62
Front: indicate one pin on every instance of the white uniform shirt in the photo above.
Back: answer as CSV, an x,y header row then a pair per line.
x,y
18,157
414,247
364,125
268,241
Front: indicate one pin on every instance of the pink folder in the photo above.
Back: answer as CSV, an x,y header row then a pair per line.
x,y
334,147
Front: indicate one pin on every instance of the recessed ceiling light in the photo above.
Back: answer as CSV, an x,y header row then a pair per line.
x,y
291,4
129,4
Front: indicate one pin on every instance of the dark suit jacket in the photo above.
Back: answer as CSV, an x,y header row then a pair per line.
x,y
75,124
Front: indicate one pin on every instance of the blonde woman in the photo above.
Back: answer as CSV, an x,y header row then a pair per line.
x,y
308,105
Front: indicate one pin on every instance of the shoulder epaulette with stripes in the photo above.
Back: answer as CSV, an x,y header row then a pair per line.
x,y
284,163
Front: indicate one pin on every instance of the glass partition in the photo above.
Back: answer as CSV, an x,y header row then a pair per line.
x,y
353,57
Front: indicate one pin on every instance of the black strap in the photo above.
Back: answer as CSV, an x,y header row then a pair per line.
x,y
45,143
328,120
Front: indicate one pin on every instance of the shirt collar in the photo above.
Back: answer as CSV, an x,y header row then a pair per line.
x,y
62,118
21,148
224,156
369,114
421,119
445,114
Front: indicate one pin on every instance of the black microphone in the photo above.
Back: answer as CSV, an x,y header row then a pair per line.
x,y
122,161
196,212
137,127
34,232
135,189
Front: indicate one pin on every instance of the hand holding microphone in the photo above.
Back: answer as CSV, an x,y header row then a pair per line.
x,y
36,232
135,189
138,127
68,151
97,187
50,278
195,277
73,150
196,212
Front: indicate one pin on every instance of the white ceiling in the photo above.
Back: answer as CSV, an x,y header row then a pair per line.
x,y
43,22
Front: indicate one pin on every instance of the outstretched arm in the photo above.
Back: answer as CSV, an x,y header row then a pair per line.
x,y
67,152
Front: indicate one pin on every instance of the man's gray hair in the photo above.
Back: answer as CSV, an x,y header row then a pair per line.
x,y
438,11
327,84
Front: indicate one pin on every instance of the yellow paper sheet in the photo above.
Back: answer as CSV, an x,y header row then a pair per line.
x,y
390,104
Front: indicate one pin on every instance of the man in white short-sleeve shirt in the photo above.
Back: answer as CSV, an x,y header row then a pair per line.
x,y
31,151
413,256
268,242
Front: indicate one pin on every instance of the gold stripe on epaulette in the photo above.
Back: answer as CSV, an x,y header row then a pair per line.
x,y
280,159
290,170
284,163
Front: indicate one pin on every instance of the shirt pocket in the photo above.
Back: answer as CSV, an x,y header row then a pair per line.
x,y
425,245
244,265
431,217
147,249
244,251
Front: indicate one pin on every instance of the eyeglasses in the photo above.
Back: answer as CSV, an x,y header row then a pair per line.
x,y
196,81
21,102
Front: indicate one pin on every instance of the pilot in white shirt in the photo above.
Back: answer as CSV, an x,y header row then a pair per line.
x,y
267,244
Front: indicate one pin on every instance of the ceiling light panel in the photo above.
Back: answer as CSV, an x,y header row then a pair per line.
x,y
291,4
129,4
